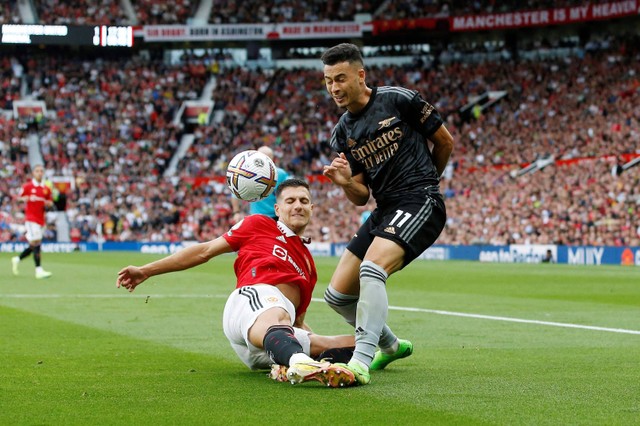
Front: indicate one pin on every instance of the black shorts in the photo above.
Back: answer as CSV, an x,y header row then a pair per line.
x,y
414,223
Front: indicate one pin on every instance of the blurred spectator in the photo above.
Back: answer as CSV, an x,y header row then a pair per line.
x,y
272,11
153,12
9,13
81,12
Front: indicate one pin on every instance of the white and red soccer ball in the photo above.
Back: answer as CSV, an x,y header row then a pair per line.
x,y
251,176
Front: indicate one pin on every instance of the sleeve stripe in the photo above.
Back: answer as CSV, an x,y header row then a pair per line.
x,y
406,93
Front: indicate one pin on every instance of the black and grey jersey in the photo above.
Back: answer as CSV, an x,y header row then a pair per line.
x,y
387,142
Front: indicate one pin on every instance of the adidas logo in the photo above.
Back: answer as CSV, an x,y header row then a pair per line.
x,y
360,331
281,238
351,143
390,230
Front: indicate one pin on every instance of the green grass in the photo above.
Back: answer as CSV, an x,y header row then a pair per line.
x,y
76,350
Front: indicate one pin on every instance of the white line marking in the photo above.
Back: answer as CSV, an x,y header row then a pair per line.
x,y
393,308
520,320
509,319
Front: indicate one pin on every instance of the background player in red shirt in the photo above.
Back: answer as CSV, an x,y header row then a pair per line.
x,y
264,317
37,197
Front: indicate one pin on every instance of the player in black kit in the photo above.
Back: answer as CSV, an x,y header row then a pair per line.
x,y
383,144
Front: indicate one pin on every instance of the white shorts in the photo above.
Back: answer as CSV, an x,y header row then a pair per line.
x,y
34,231
243,306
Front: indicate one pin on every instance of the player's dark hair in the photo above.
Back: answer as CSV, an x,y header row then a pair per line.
x,y
291,183
343,52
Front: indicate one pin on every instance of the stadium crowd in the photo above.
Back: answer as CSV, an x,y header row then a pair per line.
x,y
80,12
114,133
412,9
263,12
151,12
9,12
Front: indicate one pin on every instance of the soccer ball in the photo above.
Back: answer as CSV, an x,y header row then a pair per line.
x,y
251,176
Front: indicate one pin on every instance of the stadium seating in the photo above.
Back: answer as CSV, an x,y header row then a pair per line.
x,y
115,131
412,9
9,13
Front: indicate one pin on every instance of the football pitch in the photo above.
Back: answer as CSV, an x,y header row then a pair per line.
x,y
495,344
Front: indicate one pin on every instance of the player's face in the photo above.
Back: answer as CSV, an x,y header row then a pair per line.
x,y
345,84
294,208
38,173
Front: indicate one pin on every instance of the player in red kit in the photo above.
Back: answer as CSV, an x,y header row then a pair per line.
x,y
37,197
264,318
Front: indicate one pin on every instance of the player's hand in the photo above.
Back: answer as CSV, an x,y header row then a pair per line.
x,y
339,171
130,277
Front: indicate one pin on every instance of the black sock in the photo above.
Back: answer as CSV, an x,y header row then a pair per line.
x,y
36,255
26,252
280,343
336,355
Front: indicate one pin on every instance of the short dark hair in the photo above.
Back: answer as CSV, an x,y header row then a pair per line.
x,y
343,52
291,183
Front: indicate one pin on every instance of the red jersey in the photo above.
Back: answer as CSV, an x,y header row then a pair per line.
x,y
270,253
35,194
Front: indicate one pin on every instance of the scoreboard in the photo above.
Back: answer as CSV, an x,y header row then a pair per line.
x,y
73,35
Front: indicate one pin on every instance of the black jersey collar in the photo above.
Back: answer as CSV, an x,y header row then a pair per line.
x,y
374,91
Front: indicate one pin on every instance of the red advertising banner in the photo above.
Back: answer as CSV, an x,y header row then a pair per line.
x,y
544,17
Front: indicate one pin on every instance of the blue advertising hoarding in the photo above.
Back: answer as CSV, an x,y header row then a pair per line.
x,y
515,253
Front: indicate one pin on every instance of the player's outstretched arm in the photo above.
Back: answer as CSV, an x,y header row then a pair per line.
x,y
130,277
197,254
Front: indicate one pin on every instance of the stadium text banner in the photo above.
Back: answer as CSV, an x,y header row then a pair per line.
x,y
164,33
543,17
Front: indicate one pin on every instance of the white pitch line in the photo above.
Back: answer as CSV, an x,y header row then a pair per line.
x,y
393,308
520,320
509,319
